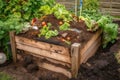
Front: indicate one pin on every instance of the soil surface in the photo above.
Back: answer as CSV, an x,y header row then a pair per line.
x,y
102,66
77,32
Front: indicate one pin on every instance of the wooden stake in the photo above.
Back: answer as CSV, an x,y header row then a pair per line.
x,y
75,56
13,46
76,4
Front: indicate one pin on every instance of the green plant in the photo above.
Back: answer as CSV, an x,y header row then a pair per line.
x,y
4,76
90,5
64,26
45,31
51,33
92,16
61,12
109,33
46,10
109,30
15,13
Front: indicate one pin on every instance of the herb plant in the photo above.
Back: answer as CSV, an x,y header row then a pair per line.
x,y
45,31
64,26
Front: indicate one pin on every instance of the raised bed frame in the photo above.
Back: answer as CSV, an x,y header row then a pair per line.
x,y
57,54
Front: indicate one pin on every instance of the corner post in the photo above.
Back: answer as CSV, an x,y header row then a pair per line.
x,y
75,56
13,46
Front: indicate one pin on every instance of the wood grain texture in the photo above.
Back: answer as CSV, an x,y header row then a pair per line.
x,y
90,42
55,69
44,53
88,45
13,46
75,56
42,45
91,51
54,61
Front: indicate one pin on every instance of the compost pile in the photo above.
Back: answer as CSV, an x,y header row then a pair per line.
x,y
77,31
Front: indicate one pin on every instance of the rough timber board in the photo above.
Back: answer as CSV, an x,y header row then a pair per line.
x,y
90,42
50,60
43,53
55,69
42,45
91,50
49,66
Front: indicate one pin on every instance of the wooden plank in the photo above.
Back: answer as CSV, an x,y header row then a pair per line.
x,y
13,46
116,19
109,0
55,69
90,42
115,13
44,53
108,4
91,50
118,29
75,56
88,45
42,45
110,9
49,59
111,13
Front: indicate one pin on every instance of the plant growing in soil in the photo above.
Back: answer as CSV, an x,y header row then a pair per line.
x,y
94,20
64,26
45,31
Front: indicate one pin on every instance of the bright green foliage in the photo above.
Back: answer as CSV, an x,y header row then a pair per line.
x,y
91,12
64,26
104,20
50,3
45,31
46,10
61,12
105,23
51,33
90,5
15,13
91,9
109,29
110,32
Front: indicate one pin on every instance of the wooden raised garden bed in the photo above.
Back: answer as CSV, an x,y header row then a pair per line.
x,y
59,58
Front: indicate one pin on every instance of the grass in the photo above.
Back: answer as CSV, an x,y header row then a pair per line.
x,y
4,76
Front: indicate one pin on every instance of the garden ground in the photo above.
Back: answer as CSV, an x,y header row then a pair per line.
x,y
103,66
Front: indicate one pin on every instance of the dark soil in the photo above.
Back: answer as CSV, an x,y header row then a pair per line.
x,y
77,33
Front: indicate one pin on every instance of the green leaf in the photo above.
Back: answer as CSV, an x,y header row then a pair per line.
x,y
64,26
